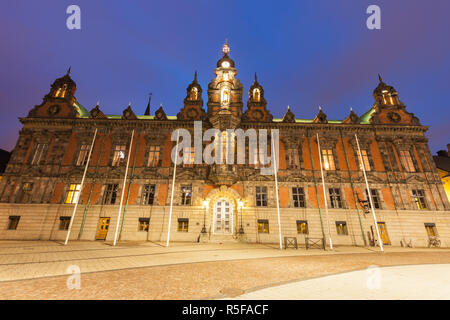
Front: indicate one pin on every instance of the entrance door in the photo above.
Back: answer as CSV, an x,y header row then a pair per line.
x,y
102,231
383,233
223,217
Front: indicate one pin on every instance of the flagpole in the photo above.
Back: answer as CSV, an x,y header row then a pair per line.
x,y
81,188
324,193
173,187
123,189
274,159
369,194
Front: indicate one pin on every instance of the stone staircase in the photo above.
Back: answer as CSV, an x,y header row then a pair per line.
x,y
222,238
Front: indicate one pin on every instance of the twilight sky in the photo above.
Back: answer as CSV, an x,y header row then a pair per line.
x,y
306,53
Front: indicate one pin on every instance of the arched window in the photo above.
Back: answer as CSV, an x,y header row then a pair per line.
x,y
225,96
194,94
256,95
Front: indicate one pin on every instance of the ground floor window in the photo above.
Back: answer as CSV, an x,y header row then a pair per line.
x,y
64,223
302,227
143,224
183,225
341,228
431,229
263,226
13,222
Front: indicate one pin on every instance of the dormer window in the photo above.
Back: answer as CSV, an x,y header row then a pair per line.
x,y
256,95
61,92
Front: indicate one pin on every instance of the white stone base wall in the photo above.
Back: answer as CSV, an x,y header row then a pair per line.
x,y
41,222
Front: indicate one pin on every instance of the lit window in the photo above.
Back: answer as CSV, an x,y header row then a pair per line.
x,y
39,154
25,194
194,94
225,96
83,155
261,196
228,146
419,199
64,223
298,195
13,222
148,194
153,156
335,198
143,224
406,160
256,95
341,228
188,157
186,195
183,225
110,193
327,159
73,193
302,227
431,229
119,155
263,226
365,159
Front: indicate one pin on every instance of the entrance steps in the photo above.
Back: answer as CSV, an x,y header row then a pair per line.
x,y
222,238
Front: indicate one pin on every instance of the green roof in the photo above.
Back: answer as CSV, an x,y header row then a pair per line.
x,y
81,110
364,119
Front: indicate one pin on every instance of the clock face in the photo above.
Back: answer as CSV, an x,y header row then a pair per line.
x,y
225,64
53,109
394,117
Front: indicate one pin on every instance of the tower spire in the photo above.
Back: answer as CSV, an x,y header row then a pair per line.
x,y
147,110
226,47
68,70
379,78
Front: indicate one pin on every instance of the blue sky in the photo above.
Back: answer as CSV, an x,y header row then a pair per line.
x,y
306,53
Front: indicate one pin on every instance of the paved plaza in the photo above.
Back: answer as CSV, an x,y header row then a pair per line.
x,y
147,270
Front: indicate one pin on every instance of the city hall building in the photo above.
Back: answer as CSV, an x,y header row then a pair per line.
x,y
129,171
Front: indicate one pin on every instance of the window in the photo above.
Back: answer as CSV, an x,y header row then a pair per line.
x,y
341,228
148,194
186,195
375,198
302,227
225,97
64,223
328,159
73,193
261,196
335,198
83,155
406,161
110,193
183,225
298,195
119,155
13,222
292,159
25,194
365,159
143,224
193,94
39,153
153,156
419,199
188,157
263,226
256,95
431,229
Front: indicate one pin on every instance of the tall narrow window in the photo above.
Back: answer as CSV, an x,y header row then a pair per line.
x,y
298,196
365,159
148,194
183,225
39,152
110,193
261,196
25,194
341,228
328,159
406,161
13,222
419,199
225,96
64,223
194,94
73,193
335,198
256,95
186,195
119,155
83,155
375,198
293,159
188,157
302,227
153,156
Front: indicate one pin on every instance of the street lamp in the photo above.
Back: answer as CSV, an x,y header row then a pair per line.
x,y
241,206
205,205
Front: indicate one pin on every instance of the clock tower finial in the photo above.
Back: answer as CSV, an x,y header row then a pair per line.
x,y
226,47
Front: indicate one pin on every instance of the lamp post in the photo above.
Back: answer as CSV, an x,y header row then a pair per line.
x,y
241,206
205,205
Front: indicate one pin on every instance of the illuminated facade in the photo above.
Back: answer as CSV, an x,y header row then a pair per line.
x,y
221,202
